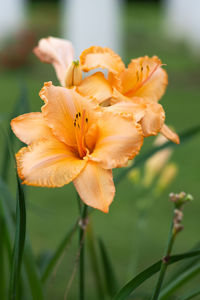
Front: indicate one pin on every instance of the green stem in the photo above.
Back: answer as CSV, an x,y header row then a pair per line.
x,y
81,246
164,263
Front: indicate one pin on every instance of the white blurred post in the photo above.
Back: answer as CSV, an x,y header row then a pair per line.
x,y
12,16
183,20
92,22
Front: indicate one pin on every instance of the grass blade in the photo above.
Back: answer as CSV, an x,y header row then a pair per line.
x,y
29,261
19,241
184,137
21,106
179,281
94,261
191,295
54,259
109,274
130,287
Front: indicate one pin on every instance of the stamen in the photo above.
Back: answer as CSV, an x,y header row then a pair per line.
x,y
80,124
137,74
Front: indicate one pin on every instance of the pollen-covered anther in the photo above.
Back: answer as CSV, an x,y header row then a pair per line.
x,y
74,75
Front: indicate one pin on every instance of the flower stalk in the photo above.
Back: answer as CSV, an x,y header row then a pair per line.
x,y
83,224
179,200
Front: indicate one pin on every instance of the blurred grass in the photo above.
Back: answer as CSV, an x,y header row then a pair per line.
x,y
52,211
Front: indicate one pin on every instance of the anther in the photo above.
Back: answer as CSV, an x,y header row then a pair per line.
x,y
141,68
79,114
86,120
76,115
137,76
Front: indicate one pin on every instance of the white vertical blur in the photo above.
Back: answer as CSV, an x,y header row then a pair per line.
x,y
183,20
92,22
12,16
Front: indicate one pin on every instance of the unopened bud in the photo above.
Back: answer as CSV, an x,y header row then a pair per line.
x,y
155,163
166,177
180,199
74,74
134,175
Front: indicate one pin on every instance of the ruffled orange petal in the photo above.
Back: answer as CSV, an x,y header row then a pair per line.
x,y
170,134
30,127
118,140
95,186
60,109
57,52
144,78
153,119
98,57
95,86
125,106
48,163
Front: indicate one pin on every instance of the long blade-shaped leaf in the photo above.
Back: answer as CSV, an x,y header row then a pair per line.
x,y
184,136
94,261
20,107
191,295
130,287
180,280
109,274
54,259
29,261
19,241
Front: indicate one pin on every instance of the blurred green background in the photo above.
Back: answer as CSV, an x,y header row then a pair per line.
x,y
52,211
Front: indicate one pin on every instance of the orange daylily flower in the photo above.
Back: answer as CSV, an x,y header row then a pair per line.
x,y
73,139
143,83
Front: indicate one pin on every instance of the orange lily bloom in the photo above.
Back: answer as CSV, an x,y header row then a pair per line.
x,y
73,139
135,89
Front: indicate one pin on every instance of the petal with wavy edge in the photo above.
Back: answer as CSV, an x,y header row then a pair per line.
x,y
57,52
30,127
95,186
95,86
153,119
144,78
61,106
170,134
119,140
98,57
48,163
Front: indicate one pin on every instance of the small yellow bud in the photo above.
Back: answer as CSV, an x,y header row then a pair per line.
x,y
154,165
134,175
74,75
166,177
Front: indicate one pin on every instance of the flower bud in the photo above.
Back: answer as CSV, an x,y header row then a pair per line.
x,y
74,74
166,177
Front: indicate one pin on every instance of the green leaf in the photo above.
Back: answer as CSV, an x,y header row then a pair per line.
x,y
130,287
21,106
94,261
109,274
139,160
53,260
32,273
191,295
19,241
184,266
179,281
29,260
